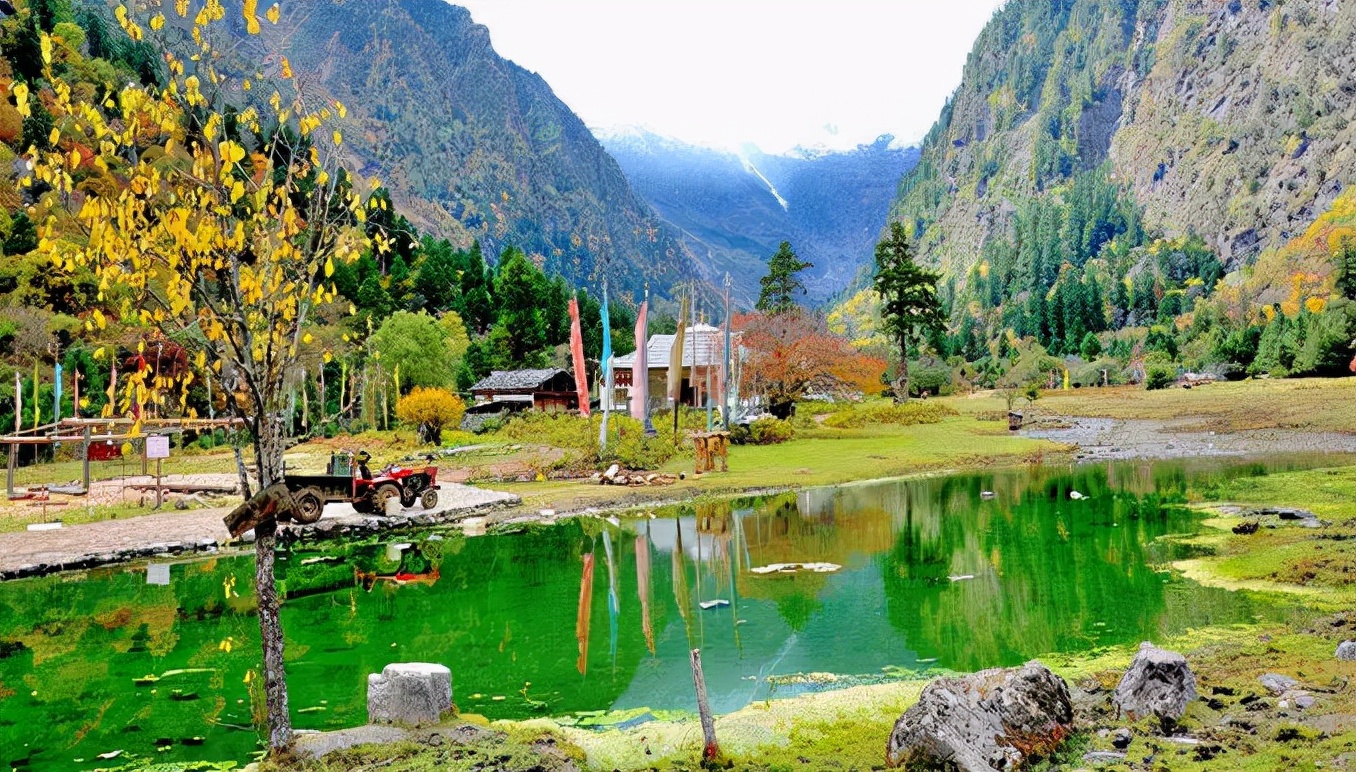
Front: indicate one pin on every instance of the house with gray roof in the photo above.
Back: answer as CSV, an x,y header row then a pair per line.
x,y
544,389
703,367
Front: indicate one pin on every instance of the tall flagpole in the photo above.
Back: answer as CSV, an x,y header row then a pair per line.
x,y
609,389
728,407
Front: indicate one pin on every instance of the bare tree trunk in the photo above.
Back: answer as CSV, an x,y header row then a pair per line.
x,y
244,473
271,636
268,450
901,384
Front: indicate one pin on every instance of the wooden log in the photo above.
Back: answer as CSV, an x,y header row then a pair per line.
x,y
266,507
709,749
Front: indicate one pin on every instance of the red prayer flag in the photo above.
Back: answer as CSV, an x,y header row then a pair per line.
x,y
581,381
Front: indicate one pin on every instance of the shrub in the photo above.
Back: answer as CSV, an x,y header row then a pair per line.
x,y
1159,375
627,444
770,431
932,377
888,413
430,410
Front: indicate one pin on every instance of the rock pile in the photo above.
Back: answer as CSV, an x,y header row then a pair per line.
x,y
615,475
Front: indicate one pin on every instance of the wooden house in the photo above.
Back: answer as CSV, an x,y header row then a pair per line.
x,y
546,389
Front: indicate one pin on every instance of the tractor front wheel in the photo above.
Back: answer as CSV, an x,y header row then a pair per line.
x,y
384,493
429,499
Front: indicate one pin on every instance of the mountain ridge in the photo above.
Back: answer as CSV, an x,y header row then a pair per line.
x,y
471,145
734,207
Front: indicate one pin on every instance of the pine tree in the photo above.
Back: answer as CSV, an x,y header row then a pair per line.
x,y
477,303
437,280
909,304
782,282
521,330
1346,268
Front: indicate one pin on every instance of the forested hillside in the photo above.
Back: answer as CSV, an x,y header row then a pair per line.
x,y
1144,177
471,145
733,209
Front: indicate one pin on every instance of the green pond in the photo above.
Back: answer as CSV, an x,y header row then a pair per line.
x,y
948,573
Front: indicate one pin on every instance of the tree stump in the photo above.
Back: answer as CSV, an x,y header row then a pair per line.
x,y
271,504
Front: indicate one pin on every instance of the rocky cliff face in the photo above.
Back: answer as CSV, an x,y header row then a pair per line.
x,y
471,145
734,209
1231,120
1244,128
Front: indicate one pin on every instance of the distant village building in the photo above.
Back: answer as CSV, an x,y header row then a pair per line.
x,y
504,392
703,356
545,389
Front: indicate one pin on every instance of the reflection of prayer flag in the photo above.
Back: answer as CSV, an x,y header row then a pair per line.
x,y
643,589
613,606
581,383
581,622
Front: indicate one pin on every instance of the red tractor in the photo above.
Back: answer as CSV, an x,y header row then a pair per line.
x,y
368,493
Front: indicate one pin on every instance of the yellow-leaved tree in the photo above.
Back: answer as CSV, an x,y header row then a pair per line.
x,y
214,226
430,410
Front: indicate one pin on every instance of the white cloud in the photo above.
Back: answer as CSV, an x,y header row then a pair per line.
x,y
773,72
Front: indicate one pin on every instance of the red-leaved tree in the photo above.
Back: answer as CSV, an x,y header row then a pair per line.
x,y
792,354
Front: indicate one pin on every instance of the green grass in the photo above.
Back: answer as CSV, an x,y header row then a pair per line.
x,y
1310,404
1319,563
821,456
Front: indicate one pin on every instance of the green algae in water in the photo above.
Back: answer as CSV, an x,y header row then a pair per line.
x,y
586,616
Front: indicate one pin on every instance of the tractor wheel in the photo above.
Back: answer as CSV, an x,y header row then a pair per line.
x,y
310,505
384,492
429,499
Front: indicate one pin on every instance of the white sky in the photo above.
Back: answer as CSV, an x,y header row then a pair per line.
x,y
777,73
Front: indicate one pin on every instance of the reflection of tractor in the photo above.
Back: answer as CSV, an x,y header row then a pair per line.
x,y
403,564
368,493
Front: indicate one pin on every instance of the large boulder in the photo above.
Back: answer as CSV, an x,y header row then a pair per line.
x,y
1346,651
409,693
1159,683
993,719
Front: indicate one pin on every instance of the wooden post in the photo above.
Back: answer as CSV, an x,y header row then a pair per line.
x,y
159,491
709,749
9,472
86,459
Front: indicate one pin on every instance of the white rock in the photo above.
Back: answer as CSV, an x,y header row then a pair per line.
x,y
411,693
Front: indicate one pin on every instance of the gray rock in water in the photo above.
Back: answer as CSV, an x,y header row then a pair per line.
x,y
409,693
1278,684
1158,683
988,720
1346,650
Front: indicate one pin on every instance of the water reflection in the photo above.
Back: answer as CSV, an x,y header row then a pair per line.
x,y
105,661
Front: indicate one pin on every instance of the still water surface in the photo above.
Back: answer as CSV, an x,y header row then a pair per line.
x,y
588,615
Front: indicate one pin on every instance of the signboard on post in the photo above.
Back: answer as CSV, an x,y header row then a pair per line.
x,y
157,446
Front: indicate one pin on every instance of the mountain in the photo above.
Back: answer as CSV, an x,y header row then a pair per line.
x,y
733,209
1127,155
471,145
1228,120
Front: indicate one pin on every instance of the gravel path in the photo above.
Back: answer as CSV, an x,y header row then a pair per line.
x,y
1107,439
34,553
